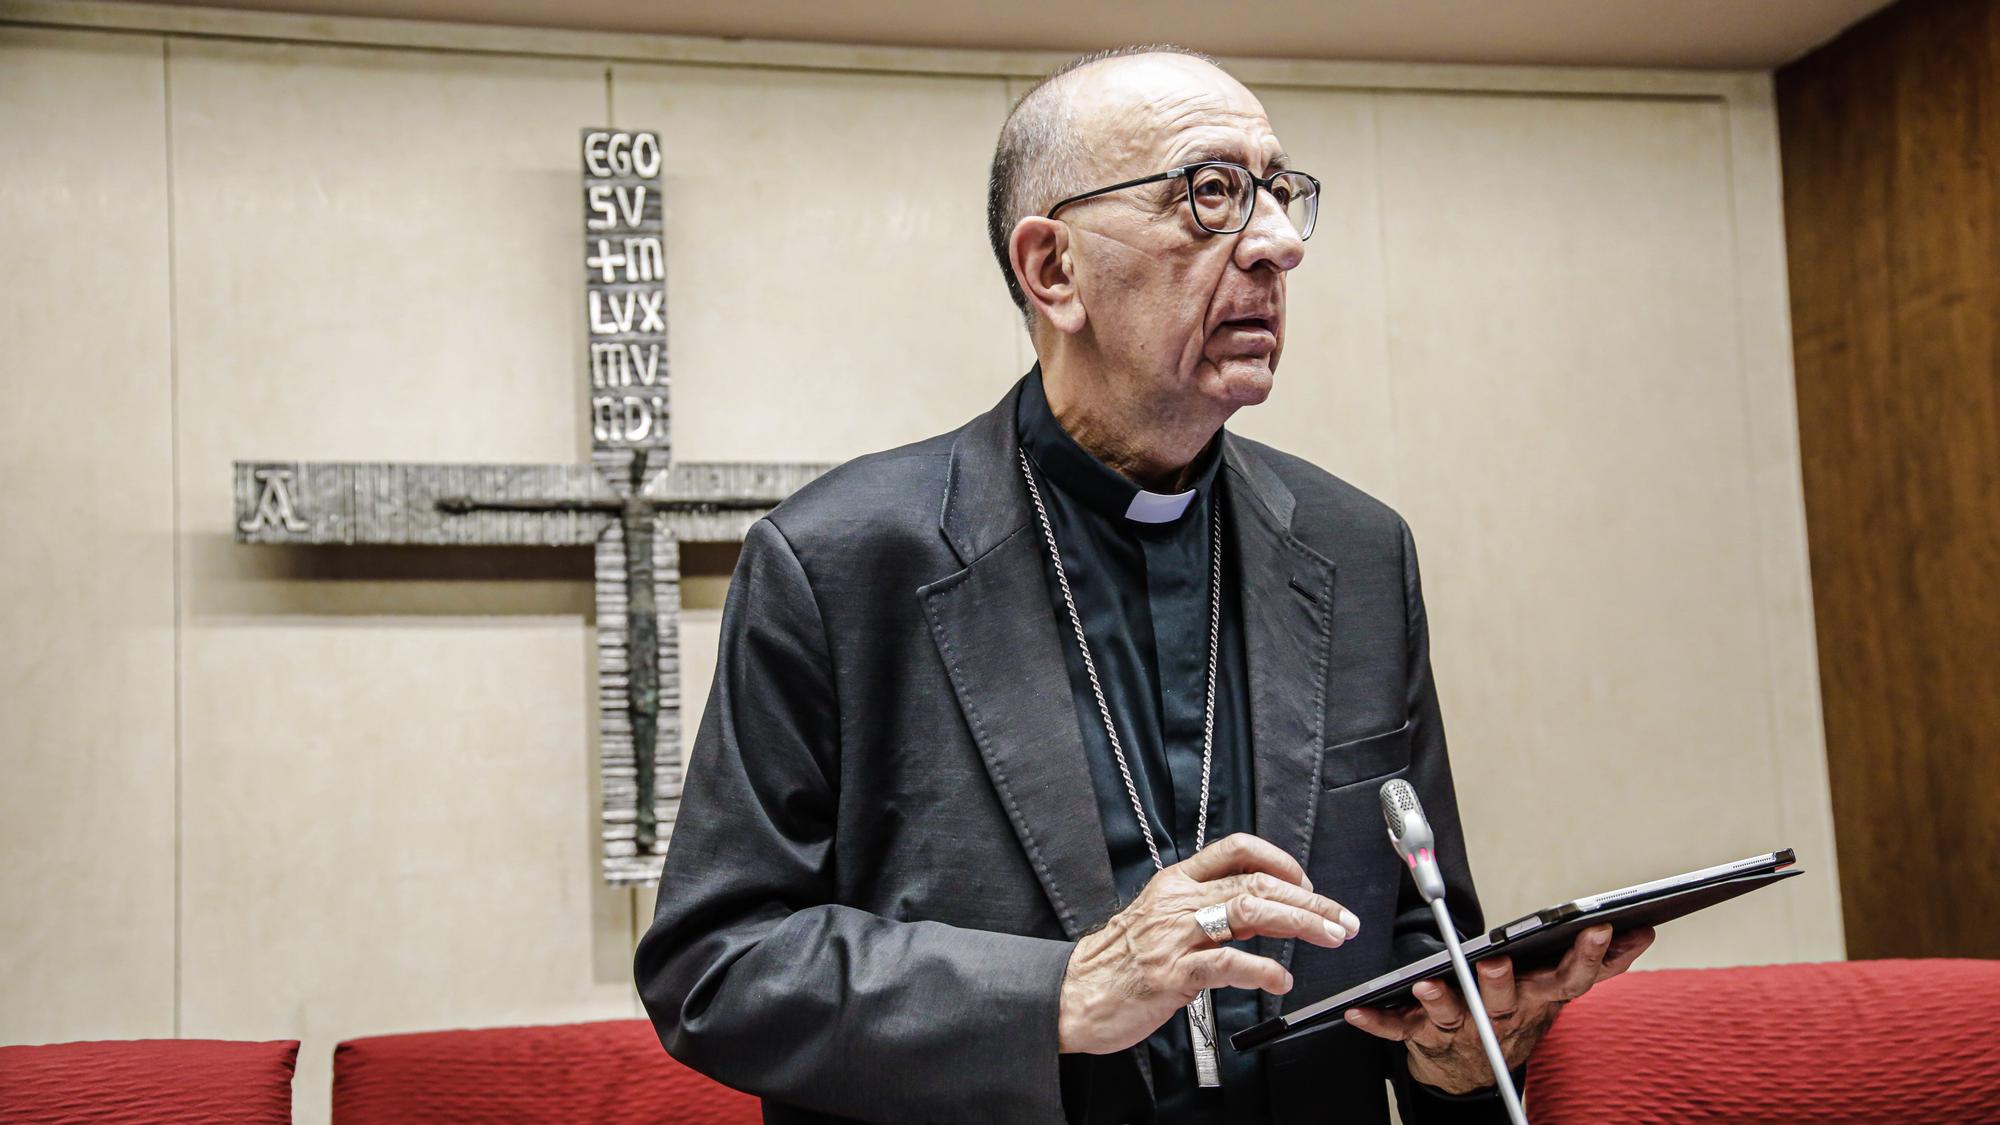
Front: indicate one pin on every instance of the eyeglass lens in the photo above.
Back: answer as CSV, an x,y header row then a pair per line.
x,y
1224,196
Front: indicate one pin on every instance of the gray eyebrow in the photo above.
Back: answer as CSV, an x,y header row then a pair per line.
x,y
1278,163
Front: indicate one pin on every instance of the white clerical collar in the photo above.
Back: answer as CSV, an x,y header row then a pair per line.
x,y
1106,492
1158,507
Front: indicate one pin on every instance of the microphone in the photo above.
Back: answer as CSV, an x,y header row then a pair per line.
x,y
1410,834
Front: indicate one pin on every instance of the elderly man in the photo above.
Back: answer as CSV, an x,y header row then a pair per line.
x,y
1043,754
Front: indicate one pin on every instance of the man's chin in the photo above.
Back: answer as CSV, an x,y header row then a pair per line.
x,y
1244,380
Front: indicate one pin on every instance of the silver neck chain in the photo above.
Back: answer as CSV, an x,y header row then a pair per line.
x,y
1097,689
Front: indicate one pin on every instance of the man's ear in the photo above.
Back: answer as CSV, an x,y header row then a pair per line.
x,y
1040,252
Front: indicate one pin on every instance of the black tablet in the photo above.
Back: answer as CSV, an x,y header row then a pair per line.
x,y
1536,940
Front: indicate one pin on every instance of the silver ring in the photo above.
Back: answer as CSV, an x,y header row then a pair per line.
x,y
1214,921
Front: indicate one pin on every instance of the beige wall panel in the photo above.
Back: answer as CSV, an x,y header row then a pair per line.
x,y
829,287
1574,459
86,554
1331,402
389,804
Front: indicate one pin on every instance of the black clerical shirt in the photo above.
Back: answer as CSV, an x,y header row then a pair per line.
x,y
1138,568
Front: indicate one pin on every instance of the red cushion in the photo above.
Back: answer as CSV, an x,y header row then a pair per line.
x,y
611,1071
148,1080
1875,1041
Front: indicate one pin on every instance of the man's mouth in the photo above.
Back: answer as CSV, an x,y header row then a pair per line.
x,y
1252,324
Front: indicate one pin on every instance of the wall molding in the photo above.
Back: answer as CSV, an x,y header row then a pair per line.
x,y
222,23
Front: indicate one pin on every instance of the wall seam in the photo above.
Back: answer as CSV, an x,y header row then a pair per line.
x,y
174,489
1024,344
1382,274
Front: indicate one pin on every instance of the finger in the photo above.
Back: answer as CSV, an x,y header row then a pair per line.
x,y
1270,887
1445,1012
1230,968
1253,916
1240,852
1625,949
1579,967
1396,1024
1496,987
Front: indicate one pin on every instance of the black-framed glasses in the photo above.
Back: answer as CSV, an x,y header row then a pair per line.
x,y
1223,195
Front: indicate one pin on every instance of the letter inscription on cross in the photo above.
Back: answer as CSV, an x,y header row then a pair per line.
x,y
630,501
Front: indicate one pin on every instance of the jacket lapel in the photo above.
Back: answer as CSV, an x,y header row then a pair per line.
x,y
1287,594
995,628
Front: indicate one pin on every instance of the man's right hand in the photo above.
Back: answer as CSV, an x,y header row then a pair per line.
x,y
1151,959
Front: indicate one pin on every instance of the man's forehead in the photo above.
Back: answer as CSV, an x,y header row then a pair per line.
x,y
1143,110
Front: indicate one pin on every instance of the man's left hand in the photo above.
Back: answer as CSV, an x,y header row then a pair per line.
x,y
1443,1041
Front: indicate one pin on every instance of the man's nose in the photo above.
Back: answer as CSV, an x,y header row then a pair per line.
x,y
1270,237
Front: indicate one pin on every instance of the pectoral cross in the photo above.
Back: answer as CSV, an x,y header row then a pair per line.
x,y
1201,1036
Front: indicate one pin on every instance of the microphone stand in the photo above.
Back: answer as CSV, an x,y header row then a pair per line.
x,y
1503,1079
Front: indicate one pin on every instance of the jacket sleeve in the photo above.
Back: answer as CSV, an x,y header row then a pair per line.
x,y
1415,935
756,975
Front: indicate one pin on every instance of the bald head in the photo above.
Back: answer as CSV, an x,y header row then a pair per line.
x,y
1053,144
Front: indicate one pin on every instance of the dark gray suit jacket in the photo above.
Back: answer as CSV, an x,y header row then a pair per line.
x,y
889,842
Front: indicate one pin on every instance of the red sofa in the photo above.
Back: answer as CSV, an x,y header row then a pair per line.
x,y
612,1071
150,1081
1906,1042
1897,1042
1865,1041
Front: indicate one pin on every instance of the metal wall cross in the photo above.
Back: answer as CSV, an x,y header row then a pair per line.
x,y
630,501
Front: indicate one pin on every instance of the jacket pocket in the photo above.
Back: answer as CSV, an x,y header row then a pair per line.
x,y
1364,759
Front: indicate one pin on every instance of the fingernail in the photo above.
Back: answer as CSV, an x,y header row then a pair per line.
x,y
1599,938
1348,920
1427,990
1288,982
1335,932
1353,1017
1306,882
